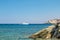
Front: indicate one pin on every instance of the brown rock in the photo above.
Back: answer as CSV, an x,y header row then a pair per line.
x,y
45,33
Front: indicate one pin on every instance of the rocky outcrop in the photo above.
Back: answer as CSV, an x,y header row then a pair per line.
x,y
45,33
54,21
52,31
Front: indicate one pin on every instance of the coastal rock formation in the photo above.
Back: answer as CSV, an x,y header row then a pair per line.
x,y
54,21
45,33
52,31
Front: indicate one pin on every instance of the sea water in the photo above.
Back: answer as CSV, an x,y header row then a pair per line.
x,y
19,31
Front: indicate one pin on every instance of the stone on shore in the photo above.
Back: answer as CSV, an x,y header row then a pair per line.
x,y
54,21
52,31
44,33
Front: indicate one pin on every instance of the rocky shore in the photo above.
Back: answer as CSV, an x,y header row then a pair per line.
x,y
52,31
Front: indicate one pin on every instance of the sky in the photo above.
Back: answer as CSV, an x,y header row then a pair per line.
x,y
31,11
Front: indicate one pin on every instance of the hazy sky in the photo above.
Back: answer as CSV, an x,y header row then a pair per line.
x,y
32,11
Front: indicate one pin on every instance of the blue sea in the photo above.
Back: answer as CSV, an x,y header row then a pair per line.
x,y
19,31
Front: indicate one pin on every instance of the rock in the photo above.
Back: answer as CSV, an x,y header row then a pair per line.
x,y
45,33
54,21
50,28
52,31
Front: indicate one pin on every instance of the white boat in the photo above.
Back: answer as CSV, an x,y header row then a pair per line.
x,y
25,23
